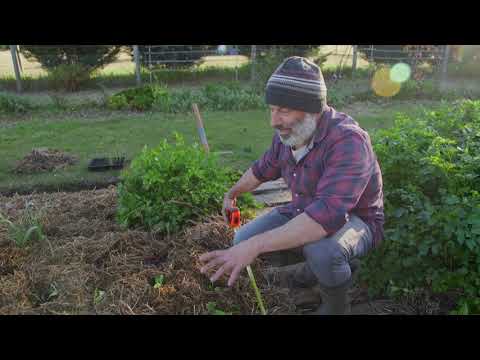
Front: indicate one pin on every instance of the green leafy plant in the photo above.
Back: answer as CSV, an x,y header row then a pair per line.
x,y
52,291
69,77
229,96
172,184
59,101
158,281
98,296
213,310
13,104
141,99
26,230
431,172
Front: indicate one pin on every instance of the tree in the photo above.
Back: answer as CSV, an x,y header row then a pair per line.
x,y
89,56
70,66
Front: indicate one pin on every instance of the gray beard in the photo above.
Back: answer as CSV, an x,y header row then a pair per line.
x,y
301,132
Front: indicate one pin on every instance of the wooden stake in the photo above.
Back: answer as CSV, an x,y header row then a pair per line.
x,y
200,128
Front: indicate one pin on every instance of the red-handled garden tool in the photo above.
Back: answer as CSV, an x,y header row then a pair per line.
x,y
234,222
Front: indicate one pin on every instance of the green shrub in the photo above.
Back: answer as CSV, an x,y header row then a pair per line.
x,y
337,98
70,66
27,230
230,97
171,184
13,104
90,56
223,97
200,74
69,77
141,98
431,173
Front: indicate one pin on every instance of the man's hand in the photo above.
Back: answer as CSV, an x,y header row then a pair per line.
x,y
228,204
231,261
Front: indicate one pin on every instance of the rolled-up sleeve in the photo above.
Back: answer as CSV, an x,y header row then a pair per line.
x,y
267,168
349,163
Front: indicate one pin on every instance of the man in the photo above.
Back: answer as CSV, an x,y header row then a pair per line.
x,y
336,212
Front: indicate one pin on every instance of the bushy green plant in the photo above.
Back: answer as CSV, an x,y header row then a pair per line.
x,y
141,98
172,184
70,66
13,104
69,77
228,96
26,230
431,172
90,56
338,98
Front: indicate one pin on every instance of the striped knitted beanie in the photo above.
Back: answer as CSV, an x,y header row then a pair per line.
x,y
297,84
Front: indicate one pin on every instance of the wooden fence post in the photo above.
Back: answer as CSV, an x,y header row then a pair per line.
x,y
13,50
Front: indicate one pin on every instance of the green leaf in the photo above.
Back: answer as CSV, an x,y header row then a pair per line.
x,y
451,200
159,280
98,296
399,212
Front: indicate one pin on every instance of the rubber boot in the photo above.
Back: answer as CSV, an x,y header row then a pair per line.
x,y
335,300
292,276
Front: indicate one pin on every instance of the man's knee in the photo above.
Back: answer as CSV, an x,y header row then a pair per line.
x,y
260,225
328,262
324,253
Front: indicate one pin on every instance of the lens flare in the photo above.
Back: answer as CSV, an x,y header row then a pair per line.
x,y
400,72
382,85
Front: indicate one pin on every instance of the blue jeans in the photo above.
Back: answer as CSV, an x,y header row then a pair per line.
x,y
328,258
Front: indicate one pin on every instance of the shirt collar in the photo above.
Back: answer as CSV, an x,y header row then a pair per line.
x,y
322,125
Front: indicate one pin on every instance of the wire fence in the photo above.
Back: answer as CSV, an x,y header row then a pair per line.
x,y
151,63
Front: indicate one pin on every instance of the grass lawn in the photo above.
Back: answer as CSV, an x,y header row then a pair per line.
x,y
247,134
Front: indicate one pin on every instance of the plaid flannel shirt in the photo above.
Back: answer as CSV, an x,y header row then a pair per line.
x,y
340,175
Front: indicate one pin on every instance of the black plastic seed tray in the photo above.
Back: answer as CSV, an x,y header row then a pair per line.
x,y
118,163
99,164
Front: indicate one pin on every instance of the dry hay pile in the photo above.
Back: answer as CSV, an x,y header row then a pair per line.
x,y
90,265
44,159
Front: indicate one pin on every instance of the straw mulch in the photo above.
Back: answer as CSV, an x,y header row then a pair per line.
x,y
88,264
